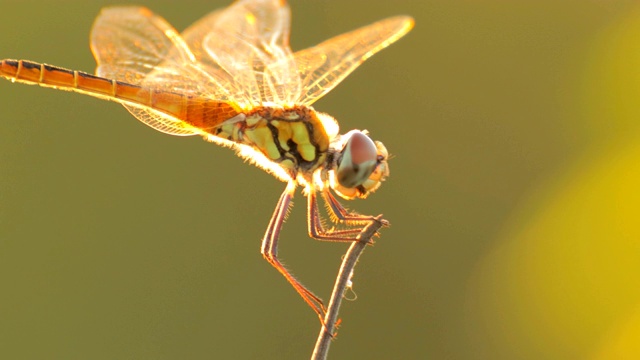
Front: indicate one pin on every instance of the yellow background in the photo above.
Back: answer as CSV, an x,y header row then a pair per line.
x,y
514,197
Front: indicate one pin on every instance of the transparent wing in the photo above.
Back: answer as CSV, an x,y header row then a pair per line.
x,y
129,42
207,72
325,65
195,34
249,41
133,45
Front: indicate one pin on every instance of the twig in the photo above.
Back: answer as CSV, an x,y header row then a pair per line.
x,y
349,262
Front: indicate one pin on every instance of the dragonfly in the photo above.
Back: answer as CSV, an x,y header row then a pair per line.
x,y
233,79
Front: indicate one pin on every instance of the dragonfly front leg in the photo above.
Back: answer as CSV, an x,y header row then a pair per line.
x,y
337,213
341,214
270,250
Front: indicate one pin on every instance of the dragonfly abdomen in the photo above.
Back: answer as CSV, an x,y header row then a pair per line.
x,y
60,78
201,113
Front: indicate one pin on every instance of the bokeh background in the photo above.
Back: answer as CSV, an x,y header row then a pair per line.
x,y
514,197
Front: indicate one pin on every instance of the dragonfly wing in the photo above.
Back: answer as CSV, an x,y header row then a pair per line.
x,y
133,45
249,41
163,122
195,34
324,66
129,42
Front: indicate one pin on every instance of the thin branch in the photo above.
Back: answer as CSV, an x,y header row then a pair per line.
x,y
349,262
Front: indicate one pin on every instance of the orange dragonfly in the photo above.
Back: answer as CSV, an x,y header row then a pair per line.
x,y
232,78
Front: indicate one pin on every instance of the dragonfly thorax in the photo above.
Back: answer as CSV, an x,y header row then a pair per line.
x,y
291,139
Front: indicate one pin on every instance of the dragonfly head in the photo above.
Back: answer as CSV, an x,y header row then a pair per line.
x,y
360,166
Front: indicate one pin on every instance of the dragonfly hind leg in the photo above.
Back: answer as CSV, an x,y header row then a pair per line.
x,y
269,251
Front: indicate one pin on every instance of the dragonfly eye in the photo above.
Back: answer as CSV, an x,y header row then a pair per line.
x,y
359,159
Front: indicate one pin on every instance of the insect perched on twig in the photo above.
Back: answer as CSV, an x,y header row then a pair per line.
x,y
232,78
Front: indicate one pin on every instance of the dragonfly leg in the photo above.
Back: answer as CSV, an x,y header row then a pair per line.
x,y
337,214
343,215
270,251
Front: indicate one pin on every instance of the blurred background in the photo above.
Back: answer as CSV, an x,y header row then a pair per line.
x,y
513,197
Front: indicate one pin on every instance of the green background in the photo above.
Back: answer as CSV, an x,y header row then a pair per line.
x,y
513,197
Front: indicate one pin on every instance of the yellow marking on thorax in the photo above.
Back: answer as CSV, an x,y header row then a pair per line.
x,y
300,135
262,137
284,133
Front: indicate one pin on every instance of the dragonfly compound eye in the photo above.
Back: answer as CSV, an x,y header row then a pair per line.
x,y
358,161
